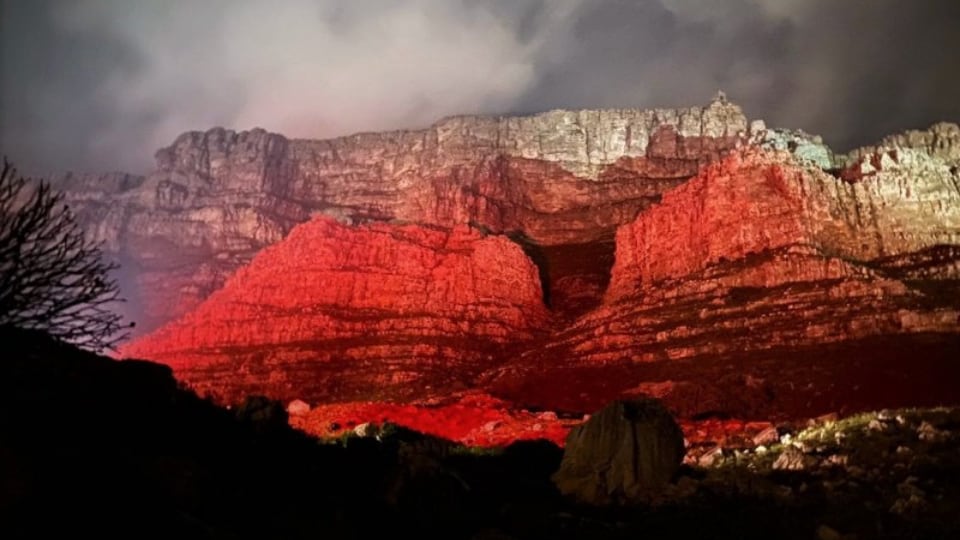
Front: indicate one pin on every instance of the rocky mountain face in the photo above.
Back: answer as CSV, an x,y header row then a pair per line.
x,y
557,261
370,312
940,141
765,285
560,183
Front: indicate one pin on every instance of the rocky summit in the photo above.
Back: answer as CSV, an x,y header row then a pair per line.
x,y
554,262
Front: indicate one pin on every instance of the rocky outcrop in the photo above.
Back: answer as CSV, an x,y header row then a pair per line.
x,y
689,255
552,180
756,202
376,311
628,450
940,141
758,262
805,147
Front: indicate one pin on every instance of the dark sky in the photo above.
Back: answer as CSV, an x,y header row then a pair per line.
x,y
101,84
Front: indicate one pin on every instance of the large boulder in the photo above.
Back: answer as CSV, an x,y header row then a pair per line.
x,y
627,451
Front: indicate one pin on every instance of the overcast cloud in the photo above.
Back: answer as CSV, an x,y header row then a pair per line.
x,y
101,84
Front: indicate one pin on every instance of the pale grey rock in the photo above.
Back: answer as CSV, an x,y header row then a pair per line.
x,y
805,147
766,437
792,459
711,458
298,407
366,429
940,141
928,433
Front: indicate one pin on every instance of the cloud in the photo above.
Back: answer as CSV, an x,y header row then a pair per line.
x,y
101,84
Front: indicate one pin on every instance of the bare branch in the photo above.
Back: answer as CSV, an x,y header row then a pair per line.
x,y
51,277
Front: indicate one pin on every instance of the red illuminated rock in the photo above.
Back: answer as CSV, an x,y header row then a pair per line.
x,y
375,311
767,286
684,254
554,179
472,419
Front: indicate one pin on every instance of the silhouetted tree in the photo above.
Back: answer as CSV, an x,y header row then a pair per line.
x,y
51,277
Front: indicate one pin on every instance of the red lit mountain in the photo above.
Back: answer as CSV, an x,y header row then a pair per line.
x,y
371,312
554,261
560,183
767,288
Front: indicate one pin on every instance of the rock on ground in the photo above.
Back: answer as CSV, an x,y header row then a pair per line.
x,y
626,451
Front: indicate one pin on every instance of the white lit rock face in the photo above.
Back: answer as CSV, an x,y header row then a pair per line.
x,y
941,141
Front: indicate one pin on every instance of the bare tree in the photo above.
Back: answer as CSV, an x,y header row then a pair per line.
x,y
52,278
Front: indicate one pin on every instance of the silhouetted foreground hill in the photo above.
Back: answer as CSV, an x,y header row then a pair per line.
x,y
92,447
117,448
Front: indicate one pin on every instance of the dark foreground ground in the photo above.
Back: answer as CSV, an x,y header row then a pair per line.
x,y
90,446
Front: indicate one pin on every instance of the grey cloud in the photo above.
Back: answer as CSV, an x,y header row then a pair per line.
x,y
100,84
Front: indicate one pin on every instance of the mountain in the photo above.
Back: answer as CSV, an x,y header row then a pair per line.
x,y
372,312
764,286
559,182
554,262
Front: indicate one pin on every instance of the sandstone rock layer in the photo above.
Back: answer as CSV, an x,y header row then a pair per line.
x,y
746,288
556,179
555,262
368,312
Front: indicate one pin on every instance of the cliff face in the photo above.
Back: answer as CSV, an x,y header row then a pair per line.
x,y
553,180
940,141
754,203
763,286
367,312
766,285
555,261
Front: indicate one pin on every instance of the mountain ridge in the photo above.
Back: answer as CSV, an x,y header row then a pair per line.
x,y
653,248
794,269
218,197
